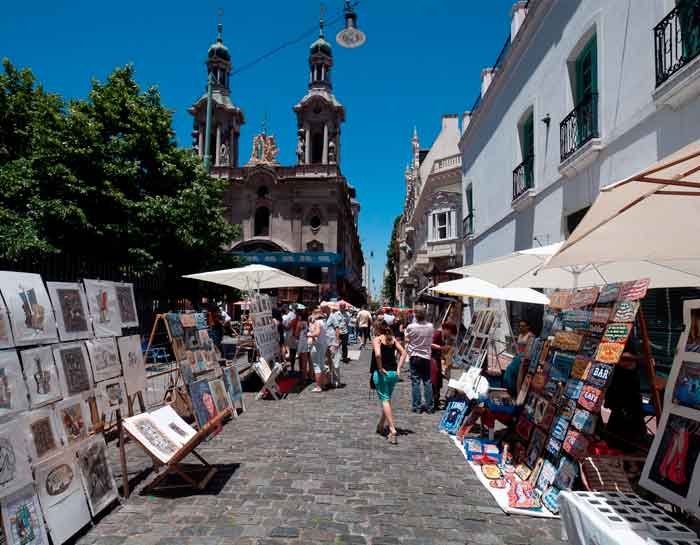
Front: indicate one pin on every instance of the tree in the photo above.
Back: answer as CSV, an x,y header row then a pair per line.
x,y
103,177
392,261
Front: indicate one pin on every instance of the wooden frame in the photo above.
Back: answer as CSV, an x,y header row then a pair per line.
x,y
269,381
174,465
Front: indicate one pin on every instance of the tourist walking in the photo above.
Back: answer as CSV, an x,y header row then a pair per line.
x,y
386,374
333,324
344,329
363,320
318,345
419,339
301,332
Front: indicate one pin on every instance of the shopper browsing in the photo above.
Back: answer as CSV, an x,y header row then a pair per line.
x,y
419,339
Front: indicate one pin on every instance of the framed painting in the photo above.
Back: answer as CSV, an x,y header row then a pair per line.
x,y
104,358
61,496
168,419
73,419
73,368
156,440
40,371
609,293
29,307
13,391
202,402
132,363
103,306
126,304
218,392
43,439
72,315
96,474
112,397
21,515
15,472
6,338
233,384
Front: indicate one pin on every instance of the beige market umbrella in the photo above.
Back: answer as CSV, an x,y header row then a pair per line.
x,y
475,287
646,226
252,277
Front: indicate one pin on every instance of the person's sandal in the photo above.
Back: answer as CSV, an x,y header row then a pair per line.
x,y
381,430
392,439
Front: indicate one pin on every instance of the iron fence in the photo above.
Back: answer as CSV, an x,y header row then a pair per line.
x,y
677,39
580,126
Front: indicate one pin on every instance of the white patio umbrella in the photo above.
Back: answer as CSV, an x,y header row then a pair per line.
x,y
647,222
475,287
252,277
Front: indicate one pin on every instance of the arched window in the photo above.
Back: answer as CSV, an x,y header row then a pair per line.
x,y
262,222
316,148
263,192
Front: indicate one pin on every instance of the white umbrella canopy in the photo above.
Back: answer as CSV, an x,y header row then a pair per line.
x,y
252,277
475,287
530,268
649,220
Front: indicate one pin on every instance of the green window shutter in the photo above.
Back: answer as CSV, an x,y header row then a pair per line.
x,y
528,141
587,71
689,19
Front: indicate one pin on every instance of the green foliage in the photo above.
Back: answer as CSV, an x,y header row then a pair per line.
x,y
103,177
392,261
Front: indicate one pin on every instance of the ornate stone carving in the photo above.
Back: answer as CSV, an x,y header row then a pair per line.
x,y
331,152
301,146
265,150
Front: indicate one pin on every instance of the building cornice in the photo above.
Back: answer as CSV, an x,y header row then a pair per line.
x,y
526,33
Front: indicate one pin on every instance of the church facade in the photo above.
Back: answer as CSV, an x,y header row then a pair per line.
x,y
302,218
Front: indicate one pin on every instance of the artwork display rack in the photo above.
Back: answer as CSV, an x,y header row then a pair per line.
x,y
174,465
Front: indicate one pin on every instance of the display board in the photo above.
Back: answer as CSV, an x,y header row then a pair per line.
x,y
671,470
264,328
474,346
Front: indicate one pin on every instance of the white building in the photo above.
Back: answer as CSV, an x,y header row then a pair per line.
x,y
429,235
586,93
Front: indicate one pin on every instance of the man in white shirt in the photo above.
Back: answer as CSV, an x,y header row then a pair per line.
x,y
419,340
363,320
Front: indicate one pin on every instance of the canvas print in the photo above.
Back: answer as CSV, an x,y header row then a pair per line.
x,y
73,368
686,392
566,474
22,518
103,306
43,438
625,311
601,315
635,289
168,419
152,437
187,320
599,374
96,474
567,340
126,304
609,293
218,391
693,327
41,374
560,299
132,363
233,384
29,307
584,297
73,419
174,324
112,397
72,315
677,453
617,333
202,401
609,352
15,472
13,392
6,338
61,496
104,358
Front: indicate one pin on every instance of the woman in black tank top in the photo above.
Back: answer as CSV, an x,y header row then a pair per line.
x,y
386,376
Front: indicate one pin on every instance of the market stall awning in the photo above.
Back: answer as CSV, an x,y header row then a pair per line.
x,y
252,277
475,287
651,218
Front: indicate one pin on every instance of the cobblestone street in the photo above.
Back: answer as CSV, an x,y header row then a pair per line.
x,y
310,470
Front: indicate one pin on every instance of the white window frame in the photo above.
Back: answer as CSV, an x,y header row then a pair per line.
x,y
450,226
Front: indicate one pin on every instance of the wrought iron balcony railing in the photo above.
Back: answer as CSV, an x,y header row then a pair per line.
x,y
580,126
677,39
524,176
468,226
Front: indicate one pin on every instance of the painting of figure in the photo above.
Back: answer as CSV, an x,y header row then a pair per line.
x,y
43,435
132,363
103,307
73,419
13,393
29,308
42,376
72,315
218,392
22,518
126,305
233,384
676,455
202,401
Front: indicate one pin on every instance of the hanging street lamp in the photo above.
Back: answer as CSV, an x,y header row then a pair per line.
x,y
350,36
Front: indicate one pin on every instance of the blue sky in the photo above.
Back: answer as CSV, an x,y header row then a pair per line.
x,y
421,59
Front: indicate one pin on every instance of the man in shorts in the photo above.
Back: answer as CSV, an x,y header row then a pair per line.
x,y
363,320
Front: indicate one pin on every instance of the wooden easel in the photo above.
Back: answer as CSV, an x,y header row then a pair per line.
x,y
174,465
269,378
649,363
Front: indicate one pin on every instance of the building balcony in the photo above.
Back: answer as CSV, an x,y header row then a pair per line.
x,y
677,39
677,55
448,163
524,179
579,127
440,249
468,226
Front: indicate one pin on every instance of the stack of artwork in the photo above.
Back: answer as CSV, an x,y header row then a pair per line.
x,y
671,470
191,342
60,368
